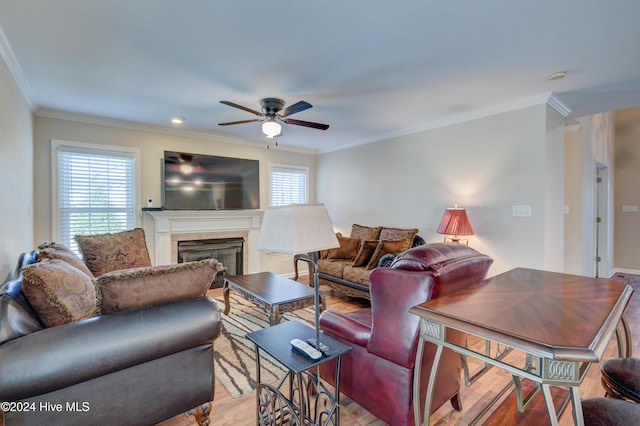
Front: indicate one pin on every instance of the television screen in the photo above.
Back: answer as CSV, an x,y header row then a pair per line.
x,y
206,182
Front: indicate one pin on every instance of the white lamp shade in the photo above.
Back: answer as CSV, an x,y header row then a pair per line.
x,y
296,229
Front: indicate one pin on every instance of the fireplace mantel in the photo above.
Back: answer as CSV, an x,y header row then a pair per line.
x,y
164,228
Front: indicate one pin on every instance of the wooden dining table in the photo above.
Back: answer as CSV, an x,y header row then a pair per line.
x,y
561,322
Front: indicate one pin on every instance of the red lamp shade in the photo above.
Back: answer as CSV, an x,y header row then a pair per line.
x,y
455,222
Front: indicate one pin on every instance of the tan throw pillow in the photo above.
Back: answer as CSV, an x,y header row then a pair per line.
x,y
59,292
111,252
58,251
139,287
348,248
367,247
395,233
365,232
384,247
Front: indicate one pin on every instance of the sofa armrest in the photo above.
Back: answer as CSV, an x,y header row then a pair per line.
x,y
62,356
345,327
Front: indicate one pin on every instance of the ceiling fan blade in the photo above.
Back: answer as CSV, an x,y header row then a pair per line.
x,y
307,124
231,104
297,107
230,123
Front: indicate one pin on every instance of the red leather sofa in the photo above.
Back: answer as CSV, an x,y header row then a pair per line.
x,y
378,372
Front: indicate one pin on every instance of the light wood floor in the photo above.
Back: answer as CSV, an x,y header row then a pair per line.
x,y
241,411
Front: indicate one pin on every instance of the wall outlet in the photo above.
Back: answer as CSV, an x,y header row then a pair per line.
x,y
630,209
521,211
149,202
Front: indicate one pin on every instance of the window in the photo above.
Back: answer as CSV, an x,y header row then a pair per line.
x,y
289,184
94,190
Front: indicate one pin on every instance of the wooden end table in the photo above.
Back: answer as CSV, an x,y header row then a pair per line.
x,y
273,293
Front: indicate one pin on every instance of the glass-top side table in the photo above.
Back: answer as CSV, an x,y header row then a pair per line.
x,y
307,401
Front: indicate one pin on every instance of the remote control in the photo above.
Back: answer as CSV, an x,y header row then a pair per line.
x,y
323,348
305,349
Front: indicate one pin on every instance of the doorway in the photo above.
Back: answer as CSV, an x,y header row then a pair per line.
x,y
601,221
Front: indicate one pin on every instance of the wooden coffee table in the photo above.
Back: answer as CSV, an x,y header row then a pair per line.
x,y
273,293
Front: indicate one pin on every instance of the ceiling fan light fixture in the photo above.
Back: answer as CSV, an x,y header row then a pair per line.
x,y
271,128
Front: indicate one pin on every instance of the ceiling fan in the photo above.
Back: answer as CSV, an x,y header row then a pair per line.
x,y
273,113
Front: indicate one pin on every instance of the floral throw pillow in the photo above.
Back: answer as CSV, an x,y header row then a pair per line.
x,y
111,252
58,292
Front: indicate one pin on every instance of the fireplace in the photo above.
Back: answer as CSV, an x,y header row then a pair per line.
x,y
166,228
227,251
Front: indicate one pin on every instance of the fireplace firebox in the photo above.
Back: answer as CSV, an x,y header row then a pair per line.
x,y
227,251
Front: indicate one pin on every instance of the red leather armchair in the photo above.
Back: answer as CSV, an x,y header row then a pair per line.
x,y
378,372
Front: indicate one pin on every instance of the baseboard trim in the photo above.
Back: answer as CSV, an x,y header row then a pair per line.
x,y
623,271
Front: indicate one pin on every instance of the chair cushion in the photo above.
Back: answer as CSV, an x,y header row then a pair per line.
x,y
58,292
104,253
610,412
333,267
135,288
58,251
358,275
621,377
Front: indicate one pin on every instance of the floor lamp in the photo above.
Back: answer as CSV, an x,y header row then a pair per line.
x,y
298,229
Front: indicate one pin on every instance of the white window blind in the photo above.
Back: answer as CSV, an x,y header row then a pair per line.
x,y
95,192
289,184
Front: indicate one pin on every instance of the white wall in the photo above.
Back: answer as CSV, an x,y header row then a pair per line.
x,y
16,173
486,165
152,146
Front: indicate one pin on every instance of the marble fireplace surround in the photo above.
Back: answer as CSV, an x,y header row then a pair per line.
x,y
165,228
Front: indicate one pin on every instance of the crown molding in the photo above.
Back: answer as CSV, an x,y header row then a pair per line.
x,y
144,127
542,99
558,105
15,70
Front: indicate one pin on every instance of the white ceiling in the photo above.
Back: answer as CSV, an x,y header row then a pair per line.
x,y
371,69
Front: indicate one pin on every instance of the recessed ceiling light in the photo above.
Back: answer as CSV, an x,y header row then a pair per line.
x,y
177,120
557,75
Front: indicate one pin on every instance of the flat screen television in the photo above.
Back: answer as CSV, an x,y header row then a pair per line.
x,y
207,182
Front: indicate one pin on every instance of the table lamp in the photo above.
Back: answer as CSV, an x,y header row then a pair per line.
x,y
454,223
298,229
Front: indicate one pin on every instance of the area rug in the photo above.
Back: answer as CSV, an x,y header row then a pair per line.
x,y
234,354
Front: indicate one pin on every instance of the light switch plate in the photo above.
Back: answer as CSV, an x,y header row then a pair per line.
x,y
521,211
630,209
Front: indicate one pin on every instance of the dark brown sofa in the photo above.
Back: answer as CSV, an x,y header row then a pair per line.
x,y
135,367
378,372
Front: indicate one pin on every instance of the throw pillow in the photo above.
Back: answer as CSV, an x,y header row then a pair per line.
x,y
58,251
348,248
367,247
395,233
58,292
365,232
123,290
384,247
110,252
